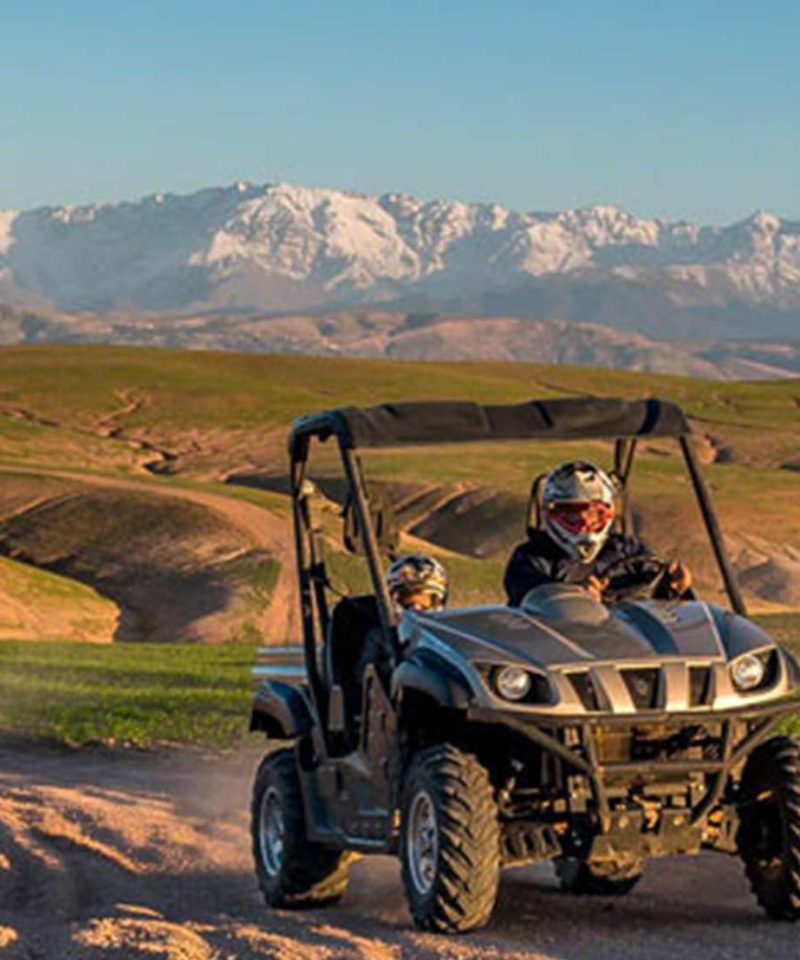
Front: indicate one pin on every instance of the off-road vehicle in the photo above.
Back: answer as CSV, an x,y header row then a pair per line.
x,y
592,734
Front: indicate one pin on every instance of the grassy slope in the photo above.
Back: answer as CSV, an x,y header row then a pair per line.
x,y
36,604
125,694
77,385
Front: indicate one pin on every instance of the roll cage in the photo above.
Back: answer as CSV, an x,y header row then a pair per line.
x,y
625,422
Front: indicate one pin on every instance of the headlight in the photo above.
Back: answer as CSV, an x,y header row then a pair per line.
x,y
513,683
747,672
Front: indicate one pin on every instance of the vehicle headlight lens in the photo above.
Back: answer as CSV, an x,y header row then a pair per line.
x,y
513,683
747,672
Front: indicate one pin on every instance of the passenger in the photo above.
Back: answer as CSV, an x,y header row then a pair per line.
x,y
415,581
577,545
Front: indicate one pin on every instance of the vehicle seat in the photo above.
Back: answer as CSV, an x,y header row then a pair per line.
x,y
351,620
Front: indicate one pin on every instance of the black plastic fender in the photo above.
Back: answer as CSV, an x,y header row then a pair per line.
x,y
281,711
427,673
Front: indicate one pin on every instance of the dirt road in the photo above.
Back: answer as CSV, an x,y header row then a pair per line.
x,y
109,856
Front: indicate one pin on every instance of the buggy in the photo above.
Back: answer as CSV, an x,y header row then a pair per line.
x,y
593,735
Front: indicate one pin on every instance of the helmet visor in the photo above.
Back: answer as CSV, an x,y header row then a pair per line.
x,y
579,516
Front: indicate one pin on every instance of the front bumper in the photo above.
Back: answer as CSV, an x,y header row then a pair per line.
x,y
575,741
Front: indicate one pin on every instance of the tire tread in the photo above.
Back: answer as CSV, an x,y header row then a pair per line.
x,y
781,756
313,874
465,889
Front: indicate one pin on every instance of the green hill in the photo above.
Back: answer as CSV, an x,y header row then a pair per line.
x,y
36,605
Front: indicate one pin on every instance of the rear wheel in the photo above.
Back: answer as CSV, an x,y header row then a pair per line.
x,y
449,841
769,832
291,871
579,877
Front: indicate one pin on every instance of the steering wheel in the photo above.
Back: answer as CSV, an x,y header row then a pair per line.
x,y
636,578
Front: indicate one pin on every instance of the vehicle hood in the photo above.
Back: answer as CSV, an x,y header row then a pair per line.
x,y
635,632
635,656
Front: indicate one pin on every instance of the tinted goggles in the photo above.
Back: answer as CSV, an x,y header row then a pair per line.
x,y
590,516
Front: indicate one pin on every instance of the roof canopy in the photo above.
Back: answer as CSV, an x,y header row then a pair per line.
x,y
562,418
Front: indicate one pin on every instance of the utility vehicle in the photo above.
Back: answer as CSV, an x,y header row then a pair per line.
x,y
592,734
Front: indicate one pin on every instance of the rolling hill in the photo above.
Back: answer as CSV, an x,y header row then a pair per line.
x,y
410,336
157,478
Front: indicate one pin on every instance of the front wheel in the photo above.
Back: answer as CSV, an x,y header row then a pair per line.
x,y
291,871
769,831
449,841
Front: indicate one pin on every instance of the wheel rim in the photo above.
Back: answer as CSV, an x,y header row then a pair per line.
x,y
271,831
423,842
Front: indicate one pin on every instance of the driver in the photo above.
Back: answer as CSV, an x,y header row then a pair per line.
x,y
576,544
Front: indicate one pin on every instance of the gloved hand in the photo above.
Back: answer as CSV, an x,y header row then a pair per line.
x,y
679,578
596,587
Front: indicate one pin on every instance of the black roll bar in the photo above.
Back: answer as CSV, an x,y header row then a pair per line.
x,y
312,582
624,449
713,527
355,479
624,452
308,592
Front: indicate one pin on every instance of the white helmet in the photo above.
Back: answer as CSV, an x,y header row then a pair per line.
x,y
414,576
578,508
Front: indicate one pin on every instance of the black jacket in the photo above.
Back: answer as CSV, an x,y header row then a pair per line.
x,y
541,560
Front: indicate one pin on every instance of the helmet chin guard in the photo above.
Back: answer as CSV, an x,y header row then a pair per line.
x,y
578,502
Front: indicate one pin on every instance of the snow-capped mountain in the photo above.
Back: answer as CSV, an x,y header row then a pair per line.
x,y
281,247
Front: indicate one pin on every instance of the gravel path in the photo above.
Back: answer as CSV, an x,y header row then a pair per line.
x,y
130,855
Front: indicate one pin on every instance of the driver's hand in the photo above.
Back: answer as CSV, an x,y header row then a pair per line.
x,y
596,586
680,578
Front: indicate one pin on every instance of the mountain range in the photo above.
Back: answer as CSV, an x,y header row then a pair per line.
x,y
246,253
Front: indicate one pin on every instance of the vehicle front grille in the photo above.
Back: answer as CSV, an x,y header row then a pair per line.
x,y
700,692
643,686
646,743
585,689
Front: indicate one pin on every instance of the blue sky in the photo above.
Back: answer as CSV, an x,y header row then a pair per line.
x,y
676,109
